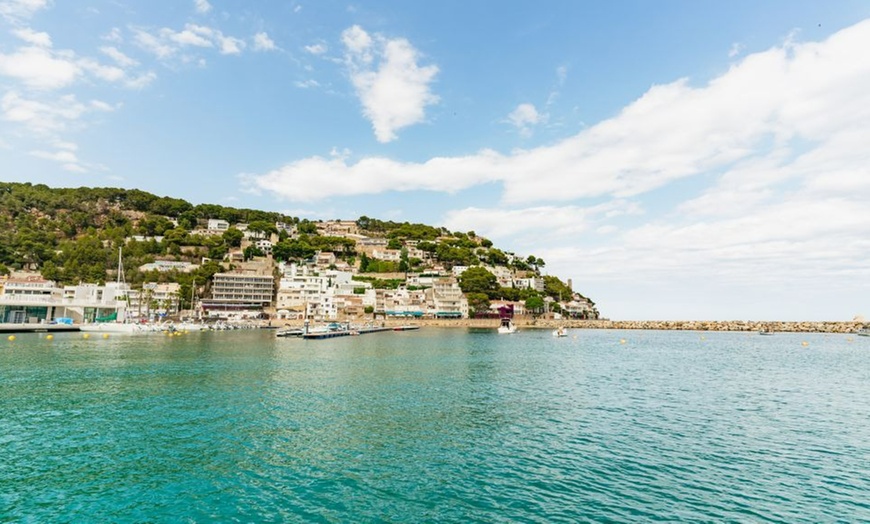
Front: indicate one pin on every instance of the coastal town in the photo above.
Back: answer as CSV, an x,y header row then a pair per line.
x,y
285,271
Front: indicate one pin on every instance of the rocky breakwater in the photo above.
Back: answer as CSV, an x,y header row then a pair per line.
x,y
700,325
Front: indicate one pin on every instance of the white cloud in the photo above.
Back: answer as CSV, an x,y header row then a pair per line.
x,y
120,58
192,35
101,106
153,44
107,73
316,49
393,89
524,117
41,117
736,49
142,80
539,223
202,6
262,42
317,177
21,9
306,84
166,43
40,39
801,97
230,45
114,35
63,156
39,68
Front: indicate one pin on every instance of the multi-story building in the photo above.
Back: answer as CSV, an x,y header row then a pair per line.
x,y
445,299
239,291
401,302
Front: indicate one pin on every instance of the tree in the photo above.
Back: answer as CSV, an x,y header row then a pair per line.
x,y
394,243
233,237
535,304
404,266
478,280
252,251
478,302
262,229
307,227
557,289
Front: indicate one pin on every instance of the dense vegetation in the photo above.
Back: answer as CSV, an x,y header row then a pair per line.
x,y
73,235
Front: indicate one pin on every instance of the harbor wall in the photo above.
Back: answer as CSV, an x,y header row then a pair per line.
x,y
676,325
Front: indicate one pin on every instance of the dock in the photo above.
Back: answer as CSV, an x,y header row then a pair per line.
x,y
344,333
37,328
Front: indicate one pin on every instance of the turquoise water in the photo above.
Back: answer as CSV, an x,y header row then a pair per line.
x,y
436,426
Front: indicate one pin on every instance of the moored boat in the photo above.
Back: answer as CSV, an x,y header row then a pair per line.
x,y
507,327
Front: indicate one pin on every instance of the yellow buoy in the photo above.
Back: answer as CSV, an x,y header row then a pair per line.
x,y
105,335
805,343
622,341
49,337
11,338
86,336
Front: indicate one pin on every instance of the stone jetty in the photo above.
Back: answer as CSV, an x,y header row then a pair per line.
x,y
675,325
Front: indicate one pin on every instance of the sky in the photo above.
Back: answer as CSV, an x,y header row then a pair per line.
x,y
674,159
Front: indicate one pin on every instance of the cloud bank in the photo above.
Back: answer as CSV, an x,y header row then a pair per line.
x,y
788,106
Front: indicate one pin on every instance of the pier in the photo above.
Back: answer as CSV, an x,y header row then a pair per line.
x,y
37,328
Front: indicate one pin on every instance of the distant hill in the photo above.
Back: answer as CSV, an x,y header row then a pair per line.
x,y
73,235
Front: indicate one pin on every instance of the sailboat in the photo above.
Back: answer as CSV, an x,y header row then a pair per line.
x,y
116,327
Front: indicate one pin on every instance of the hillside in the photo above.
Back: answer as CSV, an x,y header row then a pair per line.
x,y
74,235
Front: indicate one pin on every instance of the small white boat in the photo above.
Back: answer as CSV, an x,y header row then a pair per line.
x,y
863,332
113,327
560,332
289,332
507,327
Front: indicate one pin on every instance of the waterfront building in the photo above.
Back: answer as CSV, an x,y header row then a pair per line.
x,y
401,302
154,299
240,292
33,299
445,300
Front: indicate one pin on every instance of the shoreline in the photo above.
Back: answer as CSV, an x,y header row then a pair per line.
x,y
849,327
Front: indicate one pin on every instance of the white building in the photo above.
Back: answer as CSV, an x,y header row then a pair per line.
x,y
168,265
445,300
35,300
216,224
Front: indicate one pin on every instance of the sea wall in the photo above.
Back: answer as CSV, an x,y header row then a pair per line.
x,y
678,325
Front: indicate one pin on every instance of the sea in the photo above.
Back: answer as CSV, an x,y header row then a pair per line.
x,y
436,425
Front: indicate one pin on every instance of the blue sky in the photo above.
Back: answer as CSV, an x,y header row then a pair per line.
x,y
676,160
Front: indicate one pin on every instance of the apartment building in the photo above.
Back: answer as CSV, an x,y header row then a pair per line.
x,y
240,291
